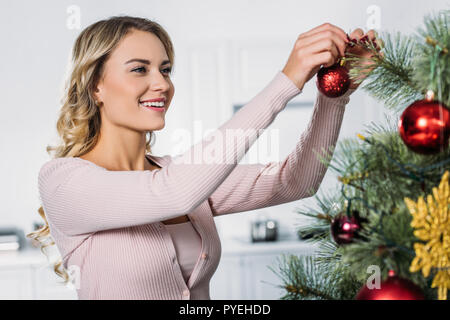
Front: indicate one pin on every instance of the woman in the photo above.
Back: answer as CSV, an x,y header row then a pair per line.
x,y
140,226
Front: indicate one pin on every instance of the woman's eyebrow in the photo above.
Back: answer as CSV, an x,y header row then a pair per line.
x,y
146,61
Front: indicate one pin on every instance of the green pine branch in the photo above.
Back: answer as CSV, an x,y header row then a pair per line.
x,y
391,81
376,173
433,39
304,279
408,66
378,176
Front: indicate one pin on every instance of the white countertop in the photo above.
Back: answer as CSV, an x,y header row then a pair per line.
x,y
23,258
242,246
230,247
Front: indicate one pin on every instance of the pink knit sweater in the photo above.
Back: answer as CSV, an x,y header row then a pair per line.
x,y
107,224
188,246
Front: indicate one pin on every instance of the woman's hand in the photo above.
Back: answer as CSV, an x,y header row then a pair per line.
x,y
355,37
323,45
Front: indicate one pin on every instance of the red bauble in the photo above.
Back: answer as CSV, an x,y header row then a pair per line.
x,y
394,288
344,229
425,126
333,81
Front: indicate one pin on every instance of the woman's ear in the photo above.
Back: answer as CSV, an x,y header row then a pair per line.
x,y
97,87
97,95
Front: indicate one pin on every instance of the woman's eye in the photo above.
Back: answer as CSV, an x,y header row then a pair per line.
x,y
143,69
168,70
140,68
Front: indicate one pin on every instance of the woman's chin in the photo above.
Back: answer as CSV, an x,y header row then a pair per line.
x,y
157,126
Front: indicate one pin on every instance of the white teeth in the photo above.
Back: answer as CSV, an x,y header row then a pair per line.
x,y
154,104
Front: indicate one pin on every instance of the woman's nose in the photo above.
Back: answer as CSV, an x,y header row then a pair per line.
x,y
159,82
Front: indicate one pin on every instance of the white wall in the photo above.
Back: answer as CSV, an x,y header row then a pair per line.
x,y
212,40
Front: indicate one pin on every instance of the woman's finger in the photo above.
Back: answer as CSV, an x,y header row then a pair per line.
x,y
324,45
371,34
323,27
341,44
372,37
324,58
357,34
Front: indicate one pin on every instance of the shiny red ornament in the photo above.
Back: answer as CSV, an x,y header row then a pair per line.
x,y
344,229
394,288
425,127
333,81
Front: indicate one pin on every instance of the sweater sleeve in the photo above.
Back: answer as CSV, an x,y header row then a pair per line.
x,y
299,175
80,197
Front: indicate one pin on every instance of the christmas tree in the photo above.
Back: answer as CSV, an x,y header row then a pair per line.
x,y
390,216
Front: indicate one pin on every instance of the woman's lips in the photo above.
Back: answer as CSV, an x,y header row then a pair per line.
x,y
160,109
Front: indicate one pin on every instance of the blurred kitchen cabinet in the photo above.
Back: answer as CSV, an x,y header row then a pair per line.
x,y
244,274
27,276
50,286
15,283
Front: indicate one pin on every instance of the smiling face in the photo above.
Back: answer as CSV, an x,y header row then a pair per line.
x,y
138,69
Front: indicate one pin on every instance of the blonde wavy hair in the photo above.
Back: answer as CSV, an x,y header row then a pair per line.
x,y
79,120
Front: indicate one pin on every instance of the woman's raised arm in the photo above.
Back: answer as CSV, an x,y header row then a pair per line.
x,y
299,175
80,197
